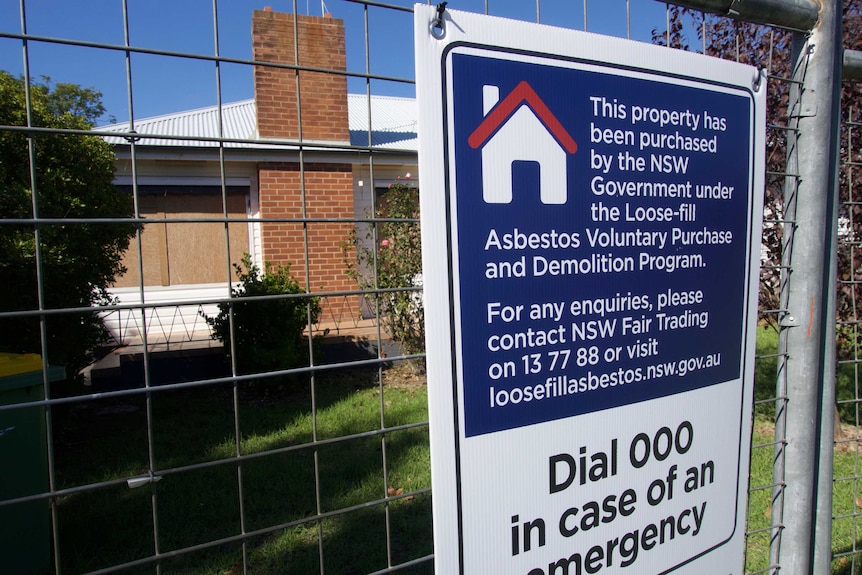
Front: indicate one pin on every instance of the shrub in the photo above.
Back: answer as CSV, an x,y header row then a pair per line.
x,y
394,249
267,333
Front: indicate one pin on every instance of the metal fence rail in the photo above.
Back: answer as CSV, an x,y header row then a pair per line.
x,y
170,463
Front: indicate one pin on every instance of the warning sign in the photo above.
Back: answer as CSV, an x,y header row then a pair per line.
x,y
591,346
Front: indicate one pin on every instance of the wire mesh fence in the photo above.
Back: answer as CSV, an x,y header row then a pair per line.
x,y
301,456
847,439
190,438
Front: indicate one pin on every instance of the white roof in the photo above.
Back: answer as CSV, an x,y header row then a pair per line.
x,y
393,123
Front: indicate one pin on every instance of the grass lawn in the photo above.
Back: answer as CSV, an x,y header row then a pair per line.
x,y
357,501
847,491
846,501
284,491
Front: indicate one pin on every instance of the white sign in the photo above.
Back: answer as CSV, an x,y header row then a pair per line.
x,y
591,215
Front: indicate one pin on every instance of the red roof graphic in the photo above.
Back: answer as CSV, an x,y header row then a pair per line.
x,y
523,93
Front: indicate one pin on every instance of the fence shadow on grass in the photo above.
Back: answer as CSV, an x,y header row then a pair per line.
x,y
104,440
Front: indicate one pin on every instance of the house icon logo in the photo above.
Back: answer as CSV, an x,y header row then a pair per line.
x,y
521,127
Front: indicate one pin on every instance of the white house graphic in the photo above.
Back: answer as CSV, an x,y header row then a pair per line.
x,y
521,128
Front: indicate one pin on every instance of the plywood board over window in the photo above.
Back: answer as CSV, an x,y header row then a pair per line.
x,y
186,251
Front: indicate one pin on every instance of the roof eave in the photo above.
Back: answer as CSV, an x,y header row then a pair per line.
x,y
257,155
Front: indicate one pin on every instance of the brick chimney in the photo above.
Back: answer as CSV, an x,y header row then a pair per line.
x,y
319,189
322,96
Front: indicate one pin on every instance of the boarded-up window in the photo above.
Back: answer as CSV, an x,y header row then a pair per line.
x,y
185,251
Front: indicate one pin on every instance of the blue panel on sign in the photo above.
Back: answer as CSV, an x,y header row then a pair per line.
x,y
601,238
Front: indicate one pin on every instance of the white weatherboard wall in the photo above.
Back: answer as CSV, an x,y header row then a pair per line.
x,y
178,321
590,351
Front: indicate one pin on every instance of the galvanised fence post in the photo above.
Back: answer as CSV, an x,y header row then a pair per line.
x,y
811,204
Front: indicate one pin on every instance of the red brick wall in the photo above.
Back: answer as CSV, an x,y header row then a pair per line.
x,y
328,187
323,97
328,194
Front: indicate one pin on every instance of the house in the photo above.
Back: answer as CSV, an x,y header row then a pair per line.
x,y
286,184
521,128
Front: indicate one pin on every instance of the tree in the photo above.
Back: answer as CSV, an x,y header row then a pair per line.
x,y
770,48
62,97
73,176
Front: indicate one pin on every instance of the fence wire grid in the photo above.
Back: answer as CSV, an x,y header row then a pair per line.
x,y
163,456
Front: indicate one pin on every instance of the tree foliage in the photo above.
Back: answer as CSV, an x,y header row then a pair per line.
x,y
62,98
73,179
850,177
771,49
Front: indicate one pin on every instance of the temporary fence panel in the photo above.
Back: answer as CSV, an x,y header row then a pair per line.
x,y
167,455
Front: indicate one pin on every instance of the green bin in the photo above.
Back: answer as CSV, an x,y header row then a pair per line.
x,y
25,528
